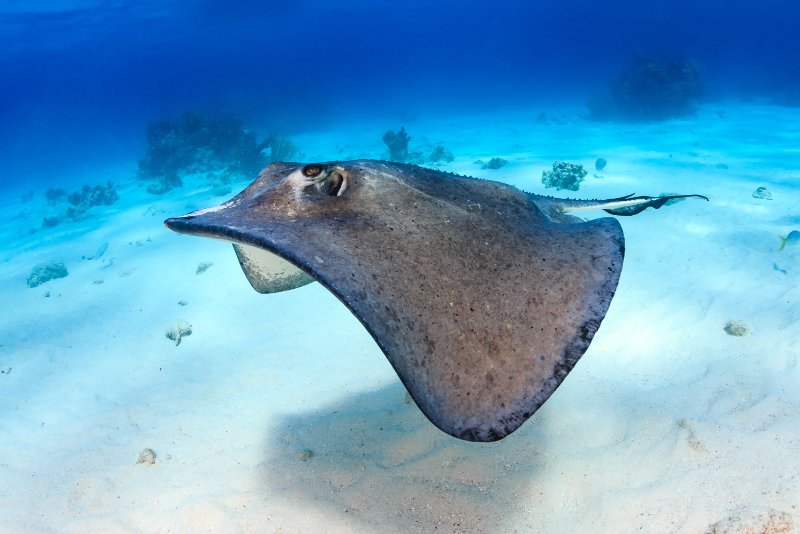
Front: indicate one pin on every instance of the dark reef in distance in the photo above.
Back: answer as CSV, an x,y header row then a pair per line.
x,y
200,143
652,88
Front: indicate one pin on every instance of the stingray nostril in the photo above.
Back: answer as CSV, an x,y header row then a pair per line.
x,y
312,169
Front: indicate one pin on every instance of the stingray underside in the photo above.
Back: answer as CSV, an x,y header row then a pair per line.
x,y
481,304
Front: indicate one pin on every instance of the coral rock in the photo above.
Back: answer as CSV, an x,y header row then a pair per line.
x,y
147,457
736,328
564,176
45,272
397,143
495,163
763,193
178,331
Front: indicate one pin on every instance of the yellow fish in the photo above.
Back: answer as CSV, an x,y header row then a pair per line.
x,y
790,239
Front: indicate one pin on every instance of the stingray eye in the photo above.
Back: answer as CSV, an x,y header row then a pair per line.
x,y
312,169
333,184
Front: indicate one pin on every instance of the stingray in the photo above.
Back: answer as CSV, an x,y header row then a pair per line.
x,y
481,296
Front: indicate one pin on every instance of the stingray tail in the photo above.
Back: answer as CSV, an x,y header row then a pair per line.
x,y
639,204
627,205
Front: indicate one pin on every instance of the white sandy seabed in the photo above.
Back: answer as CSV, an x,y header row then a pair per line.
x,y
280,414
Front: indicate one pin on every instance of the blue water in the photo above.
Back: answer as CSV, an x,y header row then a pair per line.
x,y
279,412
81,79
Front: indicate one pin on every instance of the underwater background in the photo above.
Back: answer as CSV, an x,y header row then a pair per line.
x,y
145,387
82,79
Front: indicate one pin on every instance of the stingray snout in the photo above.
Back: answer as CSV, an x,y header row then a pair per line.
x,y
206,222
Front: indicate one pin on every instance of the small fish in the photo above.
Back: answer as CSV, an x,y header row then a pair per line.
x,y
792,238
776,268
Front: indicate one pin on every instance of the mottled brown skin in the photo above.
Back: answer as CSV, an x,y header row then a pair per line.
x,y
480,301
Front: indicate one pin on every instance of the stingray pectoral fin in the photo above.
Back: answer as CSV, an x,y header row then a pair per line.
x,y
268,272
480,354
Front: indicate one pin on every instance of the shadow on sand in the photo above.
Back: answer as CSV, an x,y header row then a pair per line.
x,y
377,461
